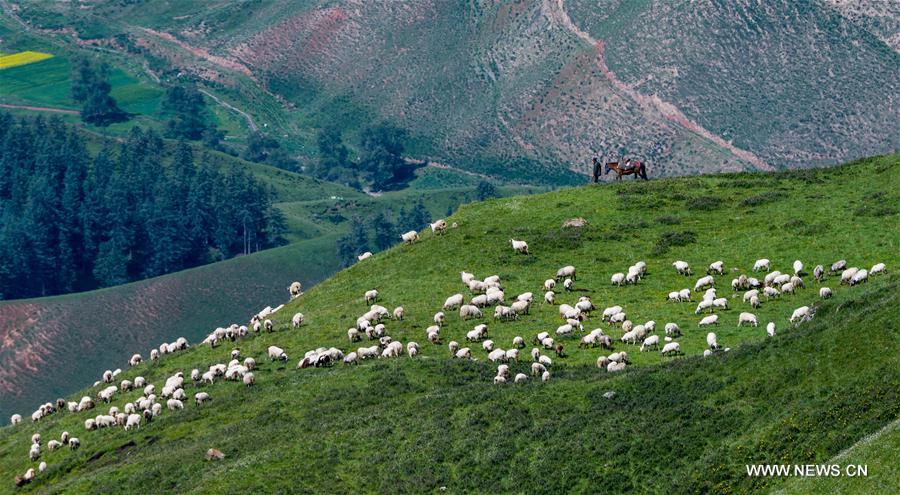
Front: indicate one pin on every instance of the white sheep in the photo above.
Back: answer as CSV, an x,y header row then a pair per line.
x,y
545,376
651,341
464,353
800,313
467,311
614,366
721,303
617,279
512,355
617,318
410,237
174,404
709,320
276,353
568,284
371,296
133,421
438,227
671,348
672,330
412,349
859,277
825,292
748,318
499,380
497,355
770,329
135,360
878,268
754,302
398,313
519,246
761,264
673,296
249,379
550,297
703,282
537,369
74,443
750,294
682,267
549,284
848,274
521,378
685,294
297,320
770,292
716,267
703,305
545,360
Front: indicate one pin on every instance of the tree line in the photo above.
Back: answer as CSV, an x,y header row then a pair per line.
x,y
75,220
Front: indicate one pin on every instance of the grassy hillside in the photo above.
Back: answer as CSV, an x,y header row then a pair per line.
x,y
676,425
528,90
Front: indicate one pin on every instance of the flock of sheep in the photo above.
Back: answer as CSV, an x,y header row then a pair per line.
x,y
483,294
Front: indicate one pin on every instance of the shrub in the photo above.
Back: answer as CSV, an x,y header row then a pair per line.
x,y
668,220
670,239
704,203
759,199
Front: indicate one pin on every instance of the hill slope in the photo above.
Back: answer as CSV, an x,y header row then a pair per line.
x,y
529,90
683,425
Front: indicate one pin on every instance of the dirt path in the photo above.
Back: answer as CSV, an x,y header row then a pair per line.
x,y
250,123
39,109
667,109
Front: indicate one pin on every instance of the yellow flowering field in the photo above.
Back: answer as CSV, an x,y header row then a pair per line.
x,y
22,58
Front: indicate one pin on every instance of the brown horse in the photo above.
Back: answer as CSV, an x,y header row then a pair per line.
x,y
639,169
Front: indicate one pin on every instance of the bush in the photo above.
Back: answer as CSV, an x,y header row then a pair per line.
x,y
759,199
668,220
670,239
704,203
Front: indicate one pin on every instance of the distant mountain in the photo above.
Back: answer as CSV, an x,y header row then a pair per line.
x,y
530,90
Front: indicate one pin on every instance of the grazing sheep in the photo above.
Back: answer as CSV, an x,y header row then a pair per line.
x,y
686,294
787,288
249,379
438,227
488,345
770,329
35,452
133,421
716,267
651,341
549,284
682,267
709,320
297,320
754,302
859,277
519,246
201,397
878,268
671,348
672,330
673,296
295,290
798,267
617,318
770,292
545,360
135,360
848,274
497,355
707,353
521,378
467,311
550,297
412,349
410,237
704,282
371,296
761,264
398,313
464,353
703,305
617,279
750,294
838,266
174,404
545,376
499,380
15,419
819,273
748,318
825,292
800,313
53,445
567,271
721,303
74,443
568,284
614,366
276,353
512,355
537,369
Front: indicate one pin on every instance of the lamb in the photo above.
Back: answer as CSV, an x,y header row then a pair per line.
x,y
438,227
466,277
467,311
825,292
859,277
545,376
798,267
748,318
716,267
297,320
439,318
682,267
453,302
671,348
819,273
568,284
371,296
878,268
709,320
703,282
550,297
761,264
754,302
453,346
276,353
617,279
249,379
770,329
410,237
800,313
651,341
398,313
519,246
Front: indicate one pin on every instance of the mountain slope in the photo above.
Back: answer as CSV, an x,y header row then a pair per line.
x,y
529,90
684,425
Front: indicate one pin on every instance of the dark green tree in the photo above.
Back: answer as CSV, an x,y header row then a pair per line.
x,y
91,88
385,233
382,162
189,118
485,190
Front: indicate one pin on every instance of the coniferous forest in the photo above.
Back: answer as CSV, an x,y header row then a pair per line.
x,y
73,220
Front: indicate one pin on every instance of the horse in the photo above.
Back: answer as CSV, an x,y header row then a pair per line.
x,y
639,169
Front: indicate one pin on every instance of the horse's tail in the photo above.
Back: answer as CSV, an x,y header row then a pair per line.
x,y
644,171
597,171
